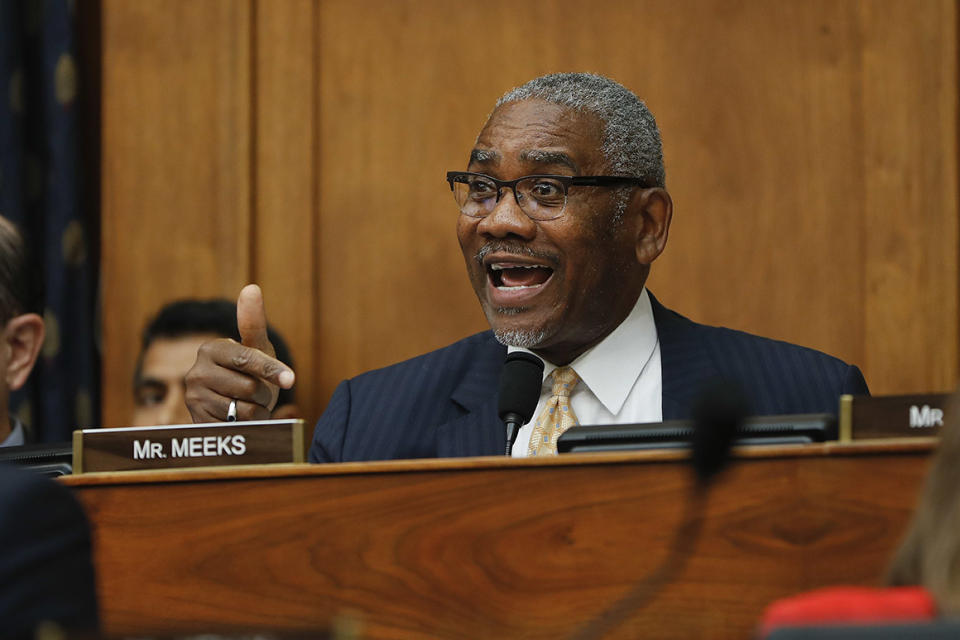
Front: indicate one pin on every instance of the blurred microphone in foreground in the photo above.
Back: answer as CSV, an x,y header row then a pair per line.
x,y
719,412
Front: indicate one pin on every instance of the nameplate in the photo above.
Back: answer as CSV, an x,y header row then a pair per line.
x,y
213,444
902,416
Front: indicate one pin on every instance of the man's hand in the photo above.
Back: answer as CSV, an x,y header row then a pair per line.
x,y
247,372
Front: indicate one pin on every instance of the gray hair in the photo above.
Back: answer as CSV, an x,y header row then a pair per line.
x,y
14,279
631,140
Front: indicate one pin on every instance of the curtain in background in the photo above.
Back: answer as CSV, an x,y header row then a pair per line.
x,y
40,190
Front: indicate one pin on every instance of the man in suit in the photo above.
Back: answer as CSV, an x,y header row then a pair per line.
x,y
563,210
46,574
21,328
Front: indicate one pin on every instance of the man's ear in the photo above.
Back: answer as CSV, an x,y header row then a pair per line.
x,y
23,337
654,210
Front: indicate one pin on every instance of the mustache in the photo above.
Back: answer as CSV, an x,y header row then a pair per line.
x,y
513,248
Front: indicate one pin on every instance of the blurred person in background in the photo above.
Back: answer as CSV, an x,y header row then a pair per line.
x,y
923,579
46,574
46,571
169,349
929,556
21,329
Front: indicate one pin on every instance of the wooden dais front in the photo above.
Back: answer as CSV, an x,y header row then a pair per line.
x,y
490,547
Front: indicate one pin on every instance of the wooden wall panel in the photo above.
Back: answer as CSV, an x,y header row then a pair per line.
x,y
176,167
758,109
285,175
910,193
395,115
811,151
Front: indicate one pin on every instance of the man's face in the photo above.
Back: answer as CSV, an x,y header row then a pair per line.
x,y
159,391
555,286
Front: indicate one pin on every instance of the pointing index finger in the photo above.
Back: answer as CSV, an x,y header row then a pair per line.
x,y
256,363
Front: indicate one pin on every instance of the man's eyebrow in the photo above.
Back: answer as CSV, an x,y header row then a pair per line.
x,y
549,157
484,156
147,381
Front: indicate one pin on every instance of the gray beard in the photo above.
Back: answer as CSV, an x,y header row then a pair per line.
x,y
519,338
527,339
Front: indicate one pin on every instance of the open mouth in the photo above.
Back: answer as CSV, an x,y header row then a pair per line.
x,y
512,276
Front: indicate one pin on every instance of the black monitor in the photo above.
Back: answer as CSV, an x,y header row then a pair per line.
x,y
938,630
51,459
786,429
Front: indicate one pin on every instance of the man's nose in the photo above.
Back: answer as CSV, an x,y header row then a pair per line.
x,y
175,408
507,218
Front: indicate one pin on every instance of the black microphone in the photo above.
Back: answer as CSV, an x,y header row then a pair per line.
x,y
520,383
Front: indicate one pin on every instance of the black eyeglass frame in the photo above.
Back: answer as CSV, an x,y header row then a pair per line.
x,y
566,181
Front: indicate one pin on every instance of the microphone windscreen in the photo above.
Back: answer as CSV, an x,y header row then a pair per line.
x,y
717,415
520,382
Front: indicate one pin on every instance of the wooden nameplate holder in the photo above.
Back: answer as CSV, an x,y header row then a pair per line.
x,y
902,416
214,444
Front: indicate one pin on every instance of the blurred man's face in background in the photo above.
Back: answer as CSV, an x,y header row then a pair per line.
x,y
159,388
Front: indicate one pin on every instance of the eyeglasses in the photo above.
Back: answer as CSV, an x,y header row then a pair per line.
x,y
541,197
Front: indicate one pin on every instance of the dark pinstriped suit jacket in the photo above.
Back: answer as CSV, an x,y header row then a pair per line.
x,y
444,403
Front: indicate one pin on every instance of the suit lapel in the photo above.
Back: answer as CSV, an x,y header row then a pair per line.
x,y
478,432
684,363
685,369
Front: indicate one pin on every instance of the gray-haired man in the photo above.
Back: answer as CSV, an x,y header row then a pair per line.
x,y
562,210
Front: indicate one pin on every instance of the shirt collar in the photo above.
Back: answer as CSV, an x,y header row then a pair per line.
x,y
17,435
605,368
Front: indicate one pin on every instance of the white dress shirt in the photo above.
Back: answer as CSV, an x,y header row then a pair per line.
x,y
620,377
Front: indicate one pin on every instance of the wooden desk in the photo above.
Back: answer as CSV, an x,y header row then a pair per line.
x,y
490,547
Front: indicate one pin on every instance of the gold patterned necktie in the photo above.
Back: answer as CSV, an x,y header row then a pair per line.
x,y
557,415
